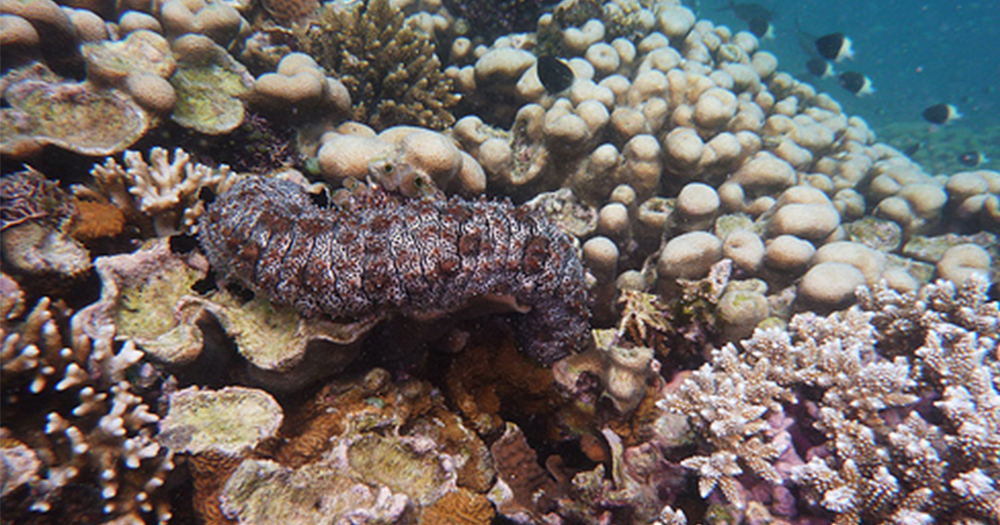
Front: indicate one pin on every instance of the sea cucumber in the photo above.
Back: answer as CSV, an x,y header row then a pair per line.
x,y
420,258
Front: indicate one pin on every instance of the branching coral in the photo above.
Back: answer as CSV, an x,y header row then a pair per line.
x,y
160,195
388,64
908,437
97,428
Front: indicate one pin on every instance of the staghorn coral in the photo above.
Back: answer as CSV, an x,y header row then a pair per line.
x,y
97,428
444,254
388,64
159,195
905,436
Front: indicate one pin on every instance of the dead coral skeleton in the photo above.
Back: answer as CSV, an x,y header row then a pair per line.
x,y
28,196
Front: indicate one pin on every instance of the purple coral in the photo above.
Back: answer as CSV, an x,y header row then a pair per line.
x,y
419,258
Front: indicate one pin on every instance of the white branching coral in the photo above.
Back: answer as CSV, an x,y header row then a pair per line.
x,y
163,191
98,429
903,387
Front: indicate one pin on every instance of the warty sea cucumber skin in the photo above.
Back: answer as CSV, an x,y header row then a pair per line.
x,y
415,257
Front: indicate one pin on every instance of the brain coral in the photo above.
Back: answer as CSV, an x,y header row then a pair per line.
x,y
419,258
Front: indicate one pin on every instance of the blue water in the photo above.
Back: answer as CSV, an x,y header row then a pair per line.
x,y
916,53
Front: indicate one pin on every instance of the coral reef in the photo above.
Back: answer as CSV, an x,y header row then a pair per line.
x,y
388,65
445,254
793,321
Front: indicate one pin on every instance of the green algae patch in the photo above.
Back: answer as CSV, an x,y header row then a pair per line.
x,y
230,421
146,309
77,116
399,466
209,96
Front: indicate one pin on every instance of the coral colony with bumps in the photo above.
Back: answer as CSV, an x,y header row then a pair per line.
x,y
586,263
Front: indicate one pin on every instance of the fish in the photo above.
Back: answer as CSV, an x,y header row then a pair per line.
x,y
972,159
761,28
912,149
941,114
806,40
834,46
555,74
757,17
747,11
857,83
819,67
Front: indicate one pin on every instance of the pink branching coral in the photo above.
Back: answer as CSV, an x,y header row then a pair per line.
x,y
909,414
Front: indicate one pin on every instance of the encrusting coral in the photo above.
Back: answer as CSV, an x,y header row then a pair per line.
x,y
35,217
388,64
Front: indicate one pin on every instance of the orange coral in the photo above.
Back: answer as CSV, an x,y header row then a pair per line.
x,y
459,507
307,431
94,220
490,375
638,427
209,471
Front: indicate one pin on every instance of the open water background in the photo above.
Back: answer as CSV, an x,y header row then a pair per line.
x,y
917,53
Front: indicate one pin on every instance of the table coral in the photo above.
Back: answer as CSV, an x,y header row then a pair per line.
x,y
387,63
445,254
